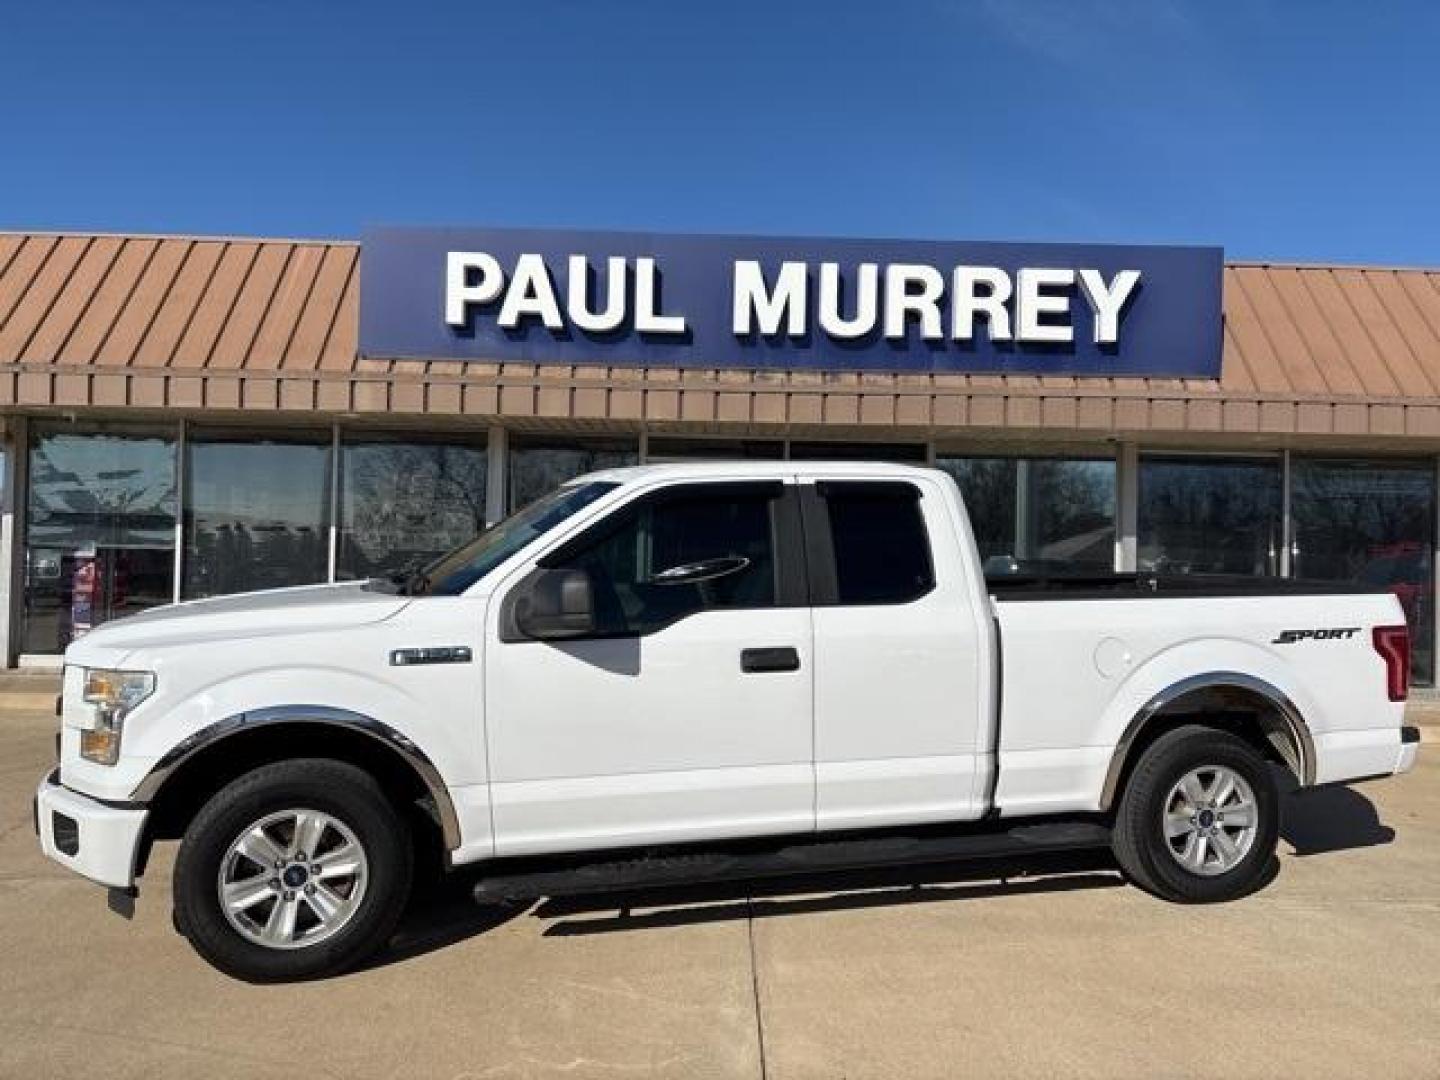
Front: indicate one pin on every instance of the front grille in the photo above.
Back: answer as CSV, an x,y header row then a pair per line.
x,y
66,831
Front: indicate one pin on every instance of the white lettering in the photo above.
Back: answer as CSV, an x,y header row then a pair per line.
x,y
647,319
967,303
1031,303
531,292
578,299
900,301
459,294
867,301
751,304
1108,301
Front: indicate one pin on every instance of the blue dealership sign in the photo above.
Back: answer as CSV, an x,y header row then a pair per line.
x,y
776,302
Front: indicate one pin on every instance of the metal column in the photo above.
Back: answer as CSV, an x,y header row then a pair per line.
x,y
12,537
497,462
1127,510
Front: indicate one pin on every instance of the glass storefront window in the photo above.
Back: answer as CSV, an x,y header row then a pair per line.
x,y
405,502
1209,515
822,451
100,538
257,510
669,448
538,466
1371,522
1039,514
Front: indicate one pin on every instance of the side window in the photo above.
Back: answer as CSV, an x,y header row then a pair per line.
x,y
683,551
877,532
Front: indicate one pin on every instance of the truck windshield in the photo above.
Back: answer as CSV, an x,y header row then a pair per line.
x,y
452,574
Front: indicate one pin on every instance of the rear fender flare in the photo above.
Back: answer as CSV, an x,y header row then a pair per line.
x,y
1301,743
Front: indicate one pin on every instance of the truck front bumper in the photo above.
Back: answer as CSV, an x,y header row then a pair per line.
x,y
98,840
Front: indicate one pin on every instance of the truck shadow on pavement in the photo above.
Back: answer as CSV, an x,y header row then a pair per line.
x,y
1326,819
444,911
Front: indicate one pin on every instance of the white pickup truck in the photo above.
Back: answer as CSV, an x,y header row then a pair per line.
x,y
695,672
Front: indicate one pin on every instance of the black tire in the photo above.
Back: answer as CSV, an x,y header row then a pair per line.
x,y
346,794
1139,838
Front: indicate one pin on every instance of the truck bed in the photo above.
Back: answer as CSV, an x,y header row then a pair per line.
x,y
1077,670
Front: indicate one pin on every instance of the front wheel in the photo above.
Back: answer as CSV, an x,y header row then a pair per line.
x,y
1199,819
295,870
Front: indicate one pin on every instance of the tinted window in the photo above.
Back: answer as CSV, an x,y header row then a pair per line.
x,y
1210,515
1039,514
100,542
257,512
722,542
878,533
405,502
1371,522
539,466
452,574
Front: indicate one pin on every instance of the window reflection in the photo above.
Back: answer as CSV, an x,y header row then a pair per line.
x,y
668,448
405,503
100,539
824,451
1039,514
1372,523
257,511
1209,515
539,466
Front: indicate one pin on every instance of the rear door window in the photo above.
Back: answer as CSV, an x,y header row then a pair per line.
x,y
877,535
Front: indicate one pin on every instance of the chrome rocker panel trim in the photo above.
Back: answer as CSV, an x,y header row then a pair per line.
x,y
383,733
1303,742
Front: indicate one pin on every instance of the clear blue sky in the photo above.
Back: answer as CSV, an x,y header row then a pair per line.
x,y
1288,129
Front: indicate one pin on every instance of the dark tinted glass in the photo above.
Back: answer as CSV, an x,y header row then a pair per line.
x,y
1039,514
452,574
667,448
257,512
628,562
819,451
405,503
1209,515
538,467
881,553
100,538
1371,522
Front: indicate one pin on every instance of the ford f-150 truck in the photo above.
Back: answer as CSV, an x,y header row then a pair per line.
x,y
695,672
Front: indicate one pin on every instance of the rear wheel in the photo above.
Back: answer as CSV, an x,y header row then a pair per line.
x,y
296,869
1199,819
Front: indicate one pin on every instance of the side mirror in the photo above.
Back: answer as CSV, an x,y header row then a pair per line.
x,y
553,605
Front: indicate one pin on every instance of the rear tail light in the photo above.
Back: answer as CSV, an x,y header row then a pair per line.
x,y
1393,644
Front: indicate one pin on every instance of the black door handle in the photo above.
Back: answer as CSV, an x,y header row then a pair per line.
x,y
782,658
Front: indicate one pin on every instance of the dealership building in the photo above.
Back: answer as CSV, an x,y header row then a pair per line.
x,y
191,416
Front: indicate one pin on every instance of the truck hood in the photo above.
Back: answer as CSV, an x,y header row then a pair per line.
x,y
304,609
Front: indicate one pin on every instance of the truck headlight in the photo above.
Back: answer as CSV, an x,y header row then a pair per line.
x,y
111,696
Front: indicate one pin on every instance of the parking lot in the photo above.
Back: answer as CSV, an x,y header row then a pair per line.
x,y
1049,967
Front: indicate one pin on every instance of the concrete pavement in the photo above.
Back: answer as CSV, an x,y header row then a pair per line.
x,y
1056,969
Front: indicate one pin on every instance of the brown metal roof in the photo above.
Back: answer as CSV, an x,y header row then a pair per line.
x,y
253,325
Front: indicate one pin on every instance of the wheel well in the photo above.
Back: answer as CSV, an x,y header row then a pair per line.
x,y
210,768
1268,723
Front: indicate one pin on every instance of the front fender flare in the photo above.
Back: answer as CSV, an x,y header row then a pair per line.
x,y
381,732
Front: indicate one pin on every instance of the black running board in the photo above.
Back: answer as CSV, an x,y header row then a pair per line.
x,y
705,866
